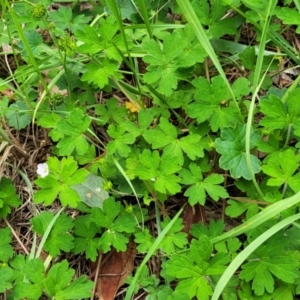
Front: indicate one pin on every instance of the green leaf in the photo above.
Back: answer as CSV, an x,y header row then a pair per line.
x,y
58,283
72,130
200,187
121,139
113,239
67,194
231,146
192,269
35,42
84,241
91,191
24,290
289,16
193,52
108,42
6,275
78,22
279,115
211,103
159,170
248,58
145,240
105,217
269,262
212,14
124,223
276,114
59,238
175,239
16,117
164,60
8,197
281,166
284,292
89,37
126,8
162,136
58,278
46,195
61,17
165,136
261,270
241,87
235,208
145,118
114,224
110,112
48,120
231,246
214,229
33,271
41,222
79,288
99,74
6,250
63,174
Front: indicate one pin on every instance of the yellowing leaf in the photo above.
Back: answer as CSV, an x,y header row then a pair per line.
x,y
132,107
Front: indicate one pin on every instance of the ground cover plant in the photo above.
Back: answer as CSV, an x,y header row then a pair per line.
x,y
150,150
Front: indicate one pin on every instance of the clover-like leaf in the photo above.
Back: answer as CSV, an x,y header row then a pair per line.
x,y
200,186
160,170
212,102
63,174
165,136
70,133
192,269
282,167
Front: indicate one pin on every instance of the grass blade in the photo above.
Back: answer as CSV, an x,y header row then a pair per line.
x,y
265,215
256,86
242,256
152,250
193,20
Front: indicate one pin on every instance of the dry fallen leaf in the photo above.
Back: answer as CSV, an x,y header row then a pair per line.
x,y
114,271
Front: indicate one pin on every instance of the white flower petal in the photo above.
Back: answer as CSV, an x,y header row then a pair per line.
x,y
42,170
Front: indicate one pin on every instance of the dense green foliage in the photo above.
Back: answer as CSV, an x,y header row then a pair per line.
x,y
144,102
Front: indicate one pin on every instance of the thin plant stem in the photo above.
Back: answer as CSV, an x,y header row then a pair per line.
x,y
288,135
26,46
16,236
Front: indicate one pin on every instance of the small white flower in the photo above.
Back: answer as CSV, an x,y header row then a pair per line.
x,y
42,169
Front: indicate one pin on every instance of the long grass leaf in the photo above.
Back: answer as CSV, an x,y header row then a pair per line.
x,y
151,251
242,256
263,216
144,13
200,33
256,86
